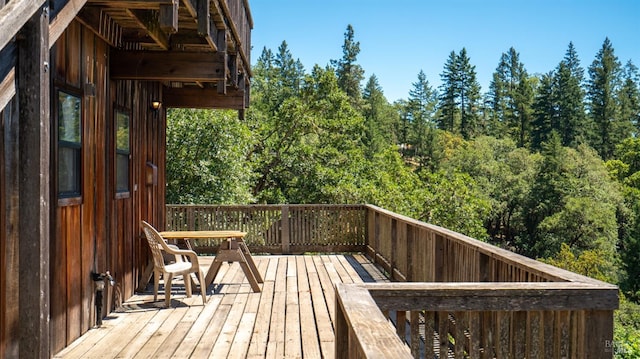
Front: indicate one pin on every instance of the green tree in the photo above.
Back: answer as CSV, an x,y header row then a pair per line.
x,y
449,113
628,174
290,72
454,201
277,78
573,201
350,74
629,102
511,97
505,174
603,85
420,112
311,150
545,112
469,93
459,104
207,157
572,122
380,118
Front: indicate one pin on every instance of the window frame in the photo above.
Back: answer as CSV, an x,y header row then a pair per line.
x,y
118,152
74,196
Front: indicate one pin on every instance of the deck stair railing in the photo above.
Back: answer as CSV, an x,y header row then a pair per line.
x,y
452,296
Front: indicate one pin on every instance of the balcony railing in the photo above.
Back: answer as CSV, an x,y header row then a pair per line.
x,y
471,299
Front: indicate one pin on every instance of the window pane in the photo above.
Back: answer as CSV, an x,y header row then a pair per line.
x,y
69,144
68,174
68,117
122,171
122,131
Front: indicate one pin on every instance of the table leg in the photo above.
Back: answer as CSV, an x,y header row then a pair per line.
x,y
232,251
212,272
249,259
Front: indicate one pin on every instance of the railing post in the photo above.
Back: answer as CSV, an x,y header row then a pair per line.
x,y
410,253
439,258
341,332
394,245
285,232
599,334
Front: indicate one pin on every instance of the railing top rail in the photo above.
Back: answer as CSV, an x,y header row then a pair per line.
x,y
297,205
373,333
532,265
493,296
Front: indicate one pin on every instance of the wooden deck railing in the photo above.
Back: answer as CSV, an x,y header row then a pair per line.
x,y
480,320
472,300
277,229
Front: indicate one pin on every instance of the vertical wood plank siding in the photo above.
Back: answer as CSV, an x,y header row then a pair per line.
x,y
100,232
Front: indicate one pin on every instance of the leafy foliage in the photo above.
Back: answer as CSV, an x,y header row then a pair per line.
x,y
206,157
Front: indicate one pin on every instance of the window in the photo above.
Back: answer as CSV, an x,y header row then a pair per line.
x,y
69,144
122,151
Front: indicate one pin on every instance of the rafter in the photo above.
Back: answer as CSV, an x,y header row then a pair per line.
x,y
127,4
148,20
14,15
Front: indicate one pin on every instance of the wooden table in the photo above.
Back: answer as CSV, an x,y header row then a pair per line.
x,y
233,249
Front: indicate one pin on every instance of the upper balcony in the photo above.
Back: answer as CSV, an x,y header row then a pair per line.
x,y
441,294
199,50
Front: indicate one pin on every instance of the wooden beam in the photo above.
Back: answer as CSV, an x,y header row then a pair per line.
x,y
523,296
148,20
63,19
127,4
102,25
169,17
195,97
169,66
7,89
206,28
221,42
33,75
14,15
361,331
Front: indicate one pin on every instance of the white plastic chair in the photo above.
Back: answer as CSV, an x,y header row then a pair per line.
x,y
168,271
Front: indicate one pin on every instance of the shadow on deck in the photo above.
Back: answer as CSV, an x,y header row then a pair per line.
x,y
293,315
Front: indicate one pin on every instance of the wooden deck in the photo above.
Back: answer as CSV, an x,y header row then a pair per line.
x,y
293,316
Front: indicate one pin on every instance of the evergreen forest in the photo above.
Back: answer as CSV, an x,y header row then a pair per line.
x,y
545,165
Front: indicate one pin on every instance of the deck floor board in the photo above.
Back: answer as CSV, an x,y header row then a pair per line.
x,y
291,317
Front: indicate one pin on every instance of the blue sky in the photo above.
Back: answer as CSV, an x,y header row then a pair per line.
x,y
401,37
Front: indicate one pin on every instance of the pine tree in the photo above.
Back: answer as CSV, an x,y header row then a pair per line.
x,y
498,99
460,100
469,93
290,71
545,112
629,102
511,93
350,74
379,118
572,121
448,99
421,110
264,82
603,84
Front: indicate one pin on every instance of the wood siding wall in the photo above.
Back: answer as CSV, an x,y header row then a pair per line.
x,y
99,231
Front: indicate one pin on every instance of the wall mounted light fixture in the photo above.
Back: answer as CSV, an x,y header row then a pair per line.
x,y
156,105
